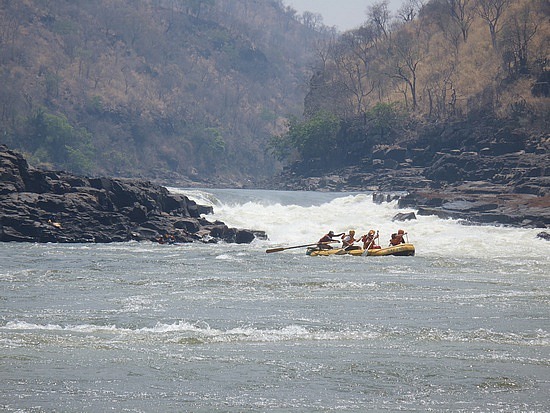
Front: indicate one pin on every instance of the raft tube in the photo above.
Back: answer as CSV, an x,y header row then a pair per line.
x,y
397,250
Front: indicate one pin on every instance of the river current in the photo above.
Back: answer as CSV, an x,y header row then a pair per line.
x,y
463,326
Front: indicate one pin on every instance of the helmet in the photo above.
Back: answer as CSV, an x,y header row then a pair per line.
x,y
400,231
331,233
371,232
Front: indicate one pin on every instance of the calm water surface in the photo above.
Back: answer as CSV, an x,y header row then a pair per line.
x,y
461,327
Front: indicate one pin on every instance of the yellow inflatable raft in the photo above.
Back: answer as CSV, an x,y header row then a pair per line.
x,y
398,250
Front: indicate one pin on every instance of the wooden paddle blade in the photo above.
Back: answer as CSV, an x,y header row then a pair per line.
x,y
296,246
275,250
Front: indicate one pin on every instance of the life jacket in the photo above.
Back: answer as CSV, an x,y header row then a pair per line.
x,y
369,239
348,240
396,239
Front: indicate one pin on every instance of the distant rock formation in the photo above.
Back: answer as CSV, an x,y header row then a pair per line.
x,y
482,175
46,206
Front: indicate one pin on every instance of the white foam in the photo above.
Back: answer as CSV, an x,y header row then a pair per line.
x,y
302,222
204,333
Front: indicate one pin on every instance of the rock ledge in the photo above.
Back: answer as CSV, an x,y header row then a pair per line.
x,y
51,206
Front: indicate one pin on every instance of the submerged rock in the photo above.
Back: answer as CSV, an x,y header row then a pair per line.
x,y
404,216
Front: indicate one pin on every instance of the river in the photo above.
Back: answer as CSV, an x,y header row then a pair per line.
x,y
463,326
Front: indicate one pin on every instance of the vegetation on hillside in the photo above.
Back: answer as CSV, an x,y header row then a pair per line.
x,y
434,62
152,87
212,88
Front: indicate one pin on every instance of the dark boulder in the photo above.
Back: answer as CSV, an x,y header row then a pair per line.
x,y
420,198
50,206
380,197
244,237
404,216
223,232
440,213
190,225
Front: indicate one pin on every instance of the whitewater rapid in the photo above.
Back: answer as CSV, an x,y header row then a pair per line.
x,y
289,223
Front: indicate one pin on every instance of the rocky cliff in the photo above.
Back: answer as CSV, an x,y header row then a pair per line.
x,y
46,206
479,173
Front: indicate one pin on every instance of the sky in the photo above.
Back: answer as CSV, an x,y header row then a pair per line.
x,y
344,14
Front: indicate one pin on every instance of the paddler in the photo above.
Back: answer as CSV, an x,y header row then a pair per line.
x,y
398,238
323,242
348,240
369,240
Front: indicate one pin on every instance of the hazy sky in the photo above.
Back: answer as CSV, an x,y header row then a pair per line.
x,y
344,14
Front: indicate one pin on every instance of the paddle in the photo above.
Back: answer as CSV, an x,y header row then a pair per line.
x,y
366,252
296,246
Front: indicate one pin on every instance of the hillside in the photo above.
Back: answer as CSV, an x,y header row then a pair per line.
x,y
449,100
225,92
446,61
156,88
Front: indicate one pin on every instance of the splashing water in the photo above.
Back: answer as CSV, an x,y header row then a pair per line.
x,y
289,222
462,326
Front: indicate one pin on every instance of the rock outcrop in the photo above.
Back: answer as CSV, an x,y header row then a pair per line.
x,y
477,173
47,206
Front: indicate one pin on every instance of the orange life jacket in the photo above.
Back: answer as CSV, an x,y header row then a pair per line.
x,y
396,239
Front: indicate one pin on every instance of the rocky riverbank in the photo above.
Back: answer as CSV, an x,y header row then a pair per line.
x,y
48,206
478,174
